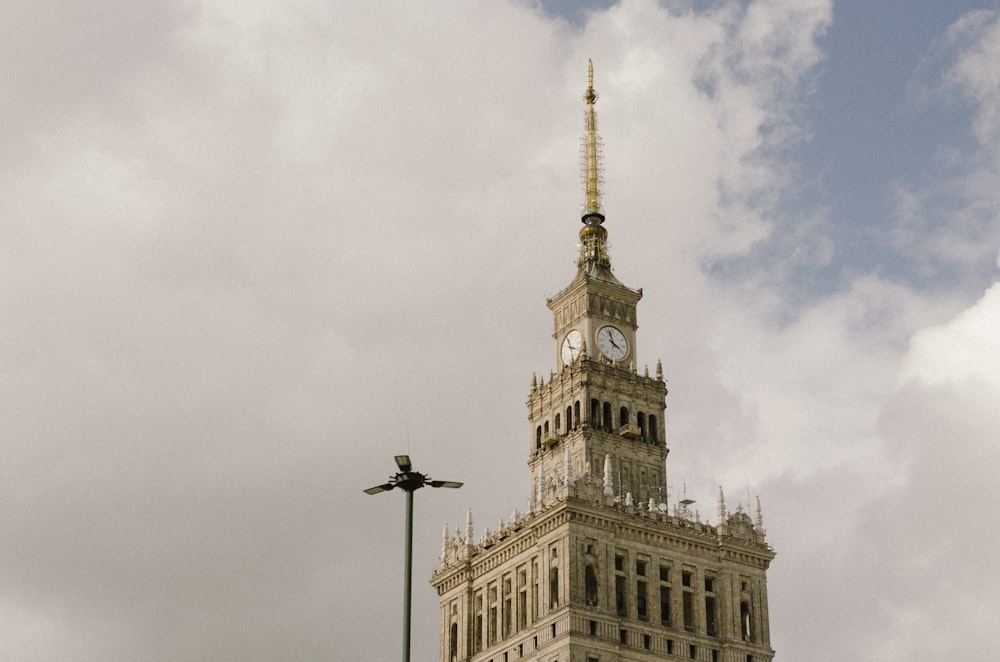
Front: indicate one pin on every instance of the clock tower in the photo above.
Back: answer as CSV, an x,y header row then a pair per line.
x,y
602,568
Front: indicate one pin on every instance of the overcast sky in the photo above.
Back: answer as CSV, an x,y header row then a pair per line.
x,y
250,251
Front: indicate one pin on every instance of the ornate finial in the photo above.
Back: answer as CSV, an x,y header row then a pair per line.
x,y
444,542
722,507
659,370
609,485
758,519
468,527
590,96
541,485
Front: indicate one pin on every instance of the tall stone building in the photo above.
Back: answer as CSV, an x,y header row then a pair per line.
x,y
602,568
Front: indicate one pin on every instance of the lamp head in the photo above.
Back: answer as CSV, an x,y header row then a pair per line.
x,y
403,462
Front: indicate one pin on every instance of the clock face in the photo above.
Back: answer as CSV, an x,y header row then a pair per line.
x,y
571,346
612,343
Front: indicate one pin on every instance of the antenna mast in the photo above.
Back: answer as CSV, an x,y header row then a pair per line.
x,y
593,237
592,168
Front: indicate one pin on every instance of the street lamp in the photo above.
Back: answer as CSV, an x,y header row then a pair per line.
x,y
408,481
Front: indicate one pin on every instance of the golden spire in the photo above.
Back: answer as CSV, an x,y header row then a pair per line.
x,y
593,237
591,164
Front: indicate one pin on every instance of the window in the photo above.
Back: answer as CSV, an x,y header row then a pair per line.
x,y
593,628
619,562
491,623
623,416
670,646
686,578
606,418
576,414
745,627
693,651
647,641
522,609
595,410
715,655
640,420
653,436
664,573
507,609
688,606
453,642
569,419
536,590
623,636
640,600
553,588
665,605
640,568
558,429
477,627
590,585
710,615
620,594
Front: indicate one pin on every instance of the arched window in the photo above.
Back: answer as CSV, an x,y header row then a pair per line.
x,y
595,414
576,414
745,626
545,427
640,420
654,436
569,419
623,417
454,641
557,424
538,438
607,417
590,585
553,587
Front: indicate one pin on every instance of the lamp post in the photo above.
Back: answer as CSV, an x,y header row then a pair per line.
x,y
408,481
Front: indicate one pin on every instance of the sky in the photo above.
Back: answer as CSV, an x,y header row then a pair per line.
x,y
251,251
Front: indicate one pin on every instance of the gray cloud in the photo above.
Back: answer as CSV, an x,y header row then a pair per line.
x,y
248,255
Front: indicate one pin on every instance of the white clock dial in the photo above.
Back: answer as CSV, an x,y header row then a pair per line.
x,y
571,346
612,343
